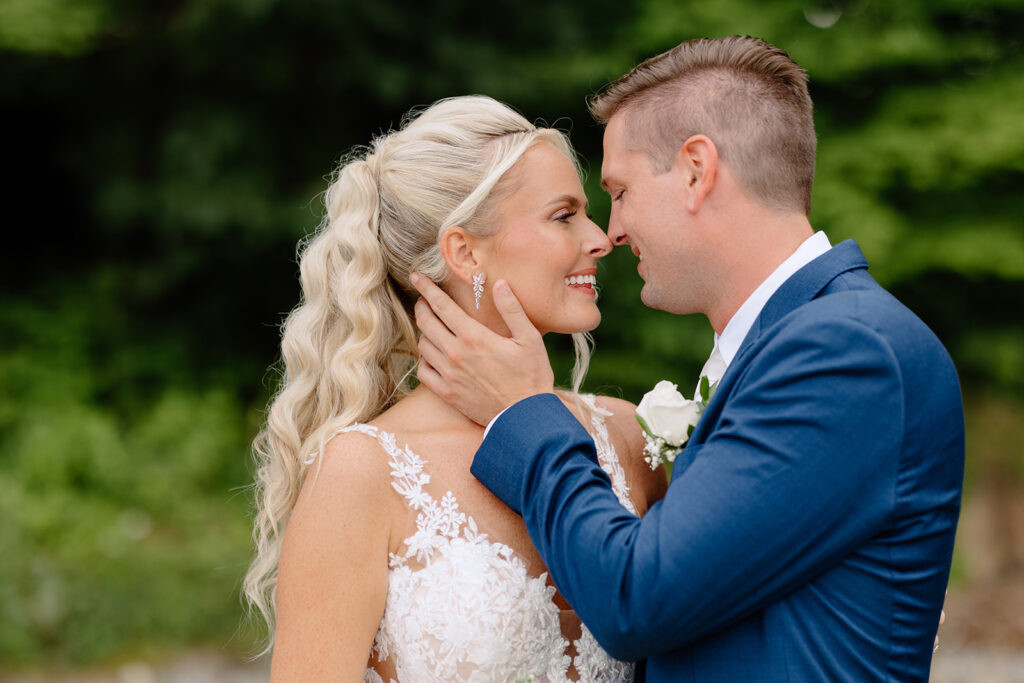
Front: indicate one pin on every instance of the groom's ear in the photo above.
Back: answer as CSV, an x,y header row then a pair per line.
x,y
697,162
460,251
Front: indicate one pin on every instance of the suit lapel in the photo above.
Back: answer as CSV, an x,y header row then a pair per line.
x,y
802,287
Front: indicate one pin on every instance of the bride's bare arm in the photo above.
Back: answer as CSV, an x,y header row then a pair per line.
x,y
333,571
646,486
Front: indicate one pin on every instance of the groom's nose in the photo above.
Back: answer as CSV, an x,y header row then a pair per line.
x,y
616,233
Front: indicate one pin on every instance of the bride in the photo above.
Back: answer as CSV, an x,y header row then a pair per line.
x,y
378,555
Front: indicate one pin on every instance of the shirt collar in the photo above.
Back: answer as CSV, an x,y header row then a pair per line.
x,y
736,329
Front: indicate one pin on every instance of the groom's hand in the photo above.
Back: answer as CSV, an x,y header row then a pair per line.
x,y
476,370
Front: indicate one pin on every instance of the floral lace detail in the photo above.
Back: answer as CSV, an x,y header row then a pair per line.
x,y
607,458
374,677
461,607
594,665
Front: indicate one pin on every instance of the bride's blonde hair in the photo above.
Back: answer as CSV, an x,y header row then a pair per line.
x,y
349,347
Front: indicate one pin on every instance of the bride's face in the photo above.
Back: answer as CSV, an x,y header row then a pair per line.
x,y
546,247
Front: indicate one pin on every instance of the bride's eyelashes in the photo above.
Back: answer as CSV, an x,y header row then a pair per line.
x,y
564,217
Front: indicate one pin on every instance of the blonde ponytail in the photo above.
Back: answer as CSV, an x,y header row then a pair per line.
x,y
347,349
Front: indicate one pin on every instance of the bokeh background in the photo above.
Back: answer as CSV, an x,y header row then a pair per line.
x,y
164,158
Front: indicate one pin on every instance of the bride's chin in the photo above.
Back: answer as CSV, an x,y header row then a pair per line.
x,y
575,326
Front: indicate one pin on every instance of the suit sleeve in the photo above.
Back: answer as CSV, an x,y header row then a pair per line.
x,y
798,471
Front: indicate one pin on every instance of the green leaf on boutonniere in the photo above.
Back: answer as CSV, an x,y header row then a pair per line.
x,y
704,389
643,425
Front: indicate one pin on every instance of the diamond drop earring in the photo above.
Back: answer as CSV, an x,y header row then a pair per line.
x,y
478,288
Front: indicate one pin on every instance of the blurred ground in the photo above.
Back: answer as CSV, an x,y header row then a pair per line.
x,y
978,667
982,640
949,666
195,667
983,637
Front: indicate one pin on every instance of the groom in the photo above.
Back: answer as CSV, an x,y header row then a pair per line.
x,y
807,532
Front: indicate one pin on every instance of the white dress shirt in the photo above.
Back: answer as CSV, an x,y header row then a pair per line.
x,y
728,343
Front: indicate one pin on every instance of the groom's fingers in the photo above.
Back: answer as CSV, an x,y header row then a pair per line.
x,y
446,310
428,376
432,356
512,312
431,326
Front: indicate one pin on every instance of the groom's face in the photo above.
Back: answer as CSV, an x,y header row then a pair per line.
x,y
649,215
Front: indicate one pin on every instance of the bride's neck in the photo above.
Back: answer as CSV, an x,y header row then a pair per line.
x,y
443,413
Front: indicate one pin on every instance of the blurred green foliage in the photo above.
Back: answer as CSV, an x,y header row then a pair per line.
x,y
122,520
168,156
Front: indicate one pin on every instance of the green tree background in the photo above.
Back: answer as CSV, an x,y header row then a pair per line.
x,y
166,157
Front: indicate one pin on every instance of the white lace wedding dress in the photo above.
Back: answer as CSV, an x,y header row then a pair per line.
x,y
462,607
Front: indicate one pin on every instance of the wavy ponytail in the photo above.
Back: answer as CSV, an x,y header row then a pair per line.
x,y
349,347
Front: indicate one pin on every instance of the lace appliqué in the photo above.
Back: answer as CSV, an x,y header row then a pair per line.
x,y
461,607
607,458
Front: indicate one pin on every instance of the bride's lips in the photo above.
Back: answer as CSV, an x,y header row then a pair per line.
x,y
582,280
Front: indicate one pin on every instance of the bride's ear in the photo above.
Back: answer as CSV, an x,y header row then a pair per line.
x,y
461,252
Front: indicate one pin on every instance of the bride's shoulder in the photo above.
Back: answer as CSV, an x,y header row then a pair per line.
x,y
350,470
622,425
616,413
620,409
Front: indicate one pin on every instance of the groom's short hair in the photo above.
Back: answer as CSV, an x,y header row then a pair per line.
x,y
748,96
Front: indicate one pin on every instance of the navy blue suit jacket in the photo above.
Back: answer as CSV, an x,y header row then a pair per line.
x,y
807,532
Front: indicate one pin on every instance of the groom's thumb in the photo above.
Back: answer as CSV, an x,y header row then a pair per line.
x,y
511,312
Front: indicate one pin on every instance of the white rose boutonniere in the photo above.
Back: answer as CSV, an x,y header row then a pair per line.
x,y
668,419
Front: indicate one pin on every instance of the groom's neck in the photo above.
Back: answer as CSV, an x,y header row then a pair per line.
x,y
749,253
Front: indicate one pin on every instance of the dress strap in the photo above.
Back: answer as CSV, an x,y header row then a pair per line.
x,y
369,430
607,457
408,477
